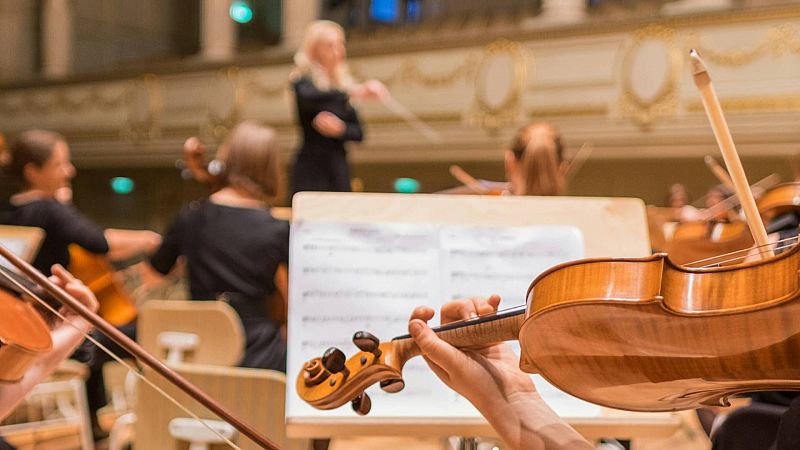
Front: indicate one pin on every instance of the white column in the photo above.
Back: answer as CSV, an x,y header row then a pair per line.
x,y
562,11
694,6
217,31
297,15
17,44
56,37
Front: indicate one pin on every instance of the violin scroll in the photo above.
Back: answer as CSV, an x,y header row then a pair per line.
x,y
333,380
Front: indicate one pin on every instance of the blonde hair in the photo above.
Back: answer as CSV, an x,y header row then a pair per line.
x,y
252,161
537,149
305,65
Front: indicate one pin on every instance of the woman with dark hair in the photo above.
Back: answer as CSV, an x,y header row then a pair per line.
x,y
39,162
232,245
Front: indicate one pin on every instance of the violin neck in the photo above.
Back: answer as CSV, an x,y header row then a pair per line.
x,y
468,334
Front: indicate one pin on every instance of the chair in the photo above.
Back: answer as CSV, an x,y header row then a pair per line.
x,y
177,331
55,414
255,395
202,332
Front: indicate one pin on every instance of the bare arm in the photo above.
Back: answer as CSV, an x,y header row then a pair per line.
x,y
490,378
66,337
124,244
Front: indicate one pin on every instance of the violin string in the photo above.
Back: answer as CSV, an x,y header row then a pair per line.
x,y
118,359
790,241
745,251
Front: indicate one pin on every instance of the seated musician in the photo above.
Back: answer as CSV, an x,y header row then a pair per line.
x,y
534,164
66,337
232,245
39,162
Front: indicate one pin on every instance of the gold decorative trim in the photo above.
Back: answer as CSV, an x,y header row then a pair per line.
x,y
483,113
570,111
778,41
32,102
664,103
409,72
216,127
140,130
745,104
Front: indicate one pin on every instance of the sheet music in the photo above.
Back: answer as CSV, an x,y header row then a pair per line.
x,y
350,277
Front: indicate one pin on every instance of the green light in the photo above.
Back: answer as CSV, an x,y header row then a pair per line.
x,y
122,185
406,185
241,11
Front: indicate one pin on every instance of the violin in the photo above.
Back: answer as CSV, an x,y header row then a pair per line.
x,y
24,332
779,200
15,361
680,338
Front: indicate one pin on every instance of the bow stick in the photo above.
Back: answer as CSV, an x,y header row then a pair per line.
x,y
723,135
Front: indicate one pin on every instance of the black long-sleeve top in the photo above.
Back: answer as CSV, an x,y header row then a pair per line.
x,y
312,101
63,225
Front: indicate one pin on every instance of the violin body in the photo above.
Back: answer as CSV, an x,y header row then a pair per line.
x,y
781,199
24,336
649,335
116,305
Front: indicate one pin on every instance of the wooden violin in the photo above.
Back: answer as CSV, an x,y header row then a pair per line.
x,y
24,332
13,355
641,334
779,200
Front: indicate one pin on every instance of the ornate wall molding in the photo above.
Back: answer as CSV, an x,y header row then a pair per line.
x,y
645,108
500,80
778,41
144,104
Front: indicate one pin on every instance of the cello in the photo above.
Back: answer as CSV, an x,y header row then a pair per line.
x,y
680,338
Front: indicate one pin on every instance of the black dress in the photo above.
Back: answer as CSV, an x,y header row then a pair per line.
x,y
233,252
63,225
321,162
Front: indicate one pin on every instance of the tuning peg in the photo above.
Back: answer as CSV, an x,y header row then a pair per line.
x,y
362,404
334,361
393,386
366,342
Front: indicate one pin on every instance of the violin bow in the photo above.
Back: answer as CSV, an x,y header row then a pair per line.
x,y
577,161
467,180
719,172
723,136
759,187
134,349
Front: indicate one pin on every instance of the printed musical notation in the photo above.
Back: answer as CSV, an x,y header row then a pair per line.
x,y
350,277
